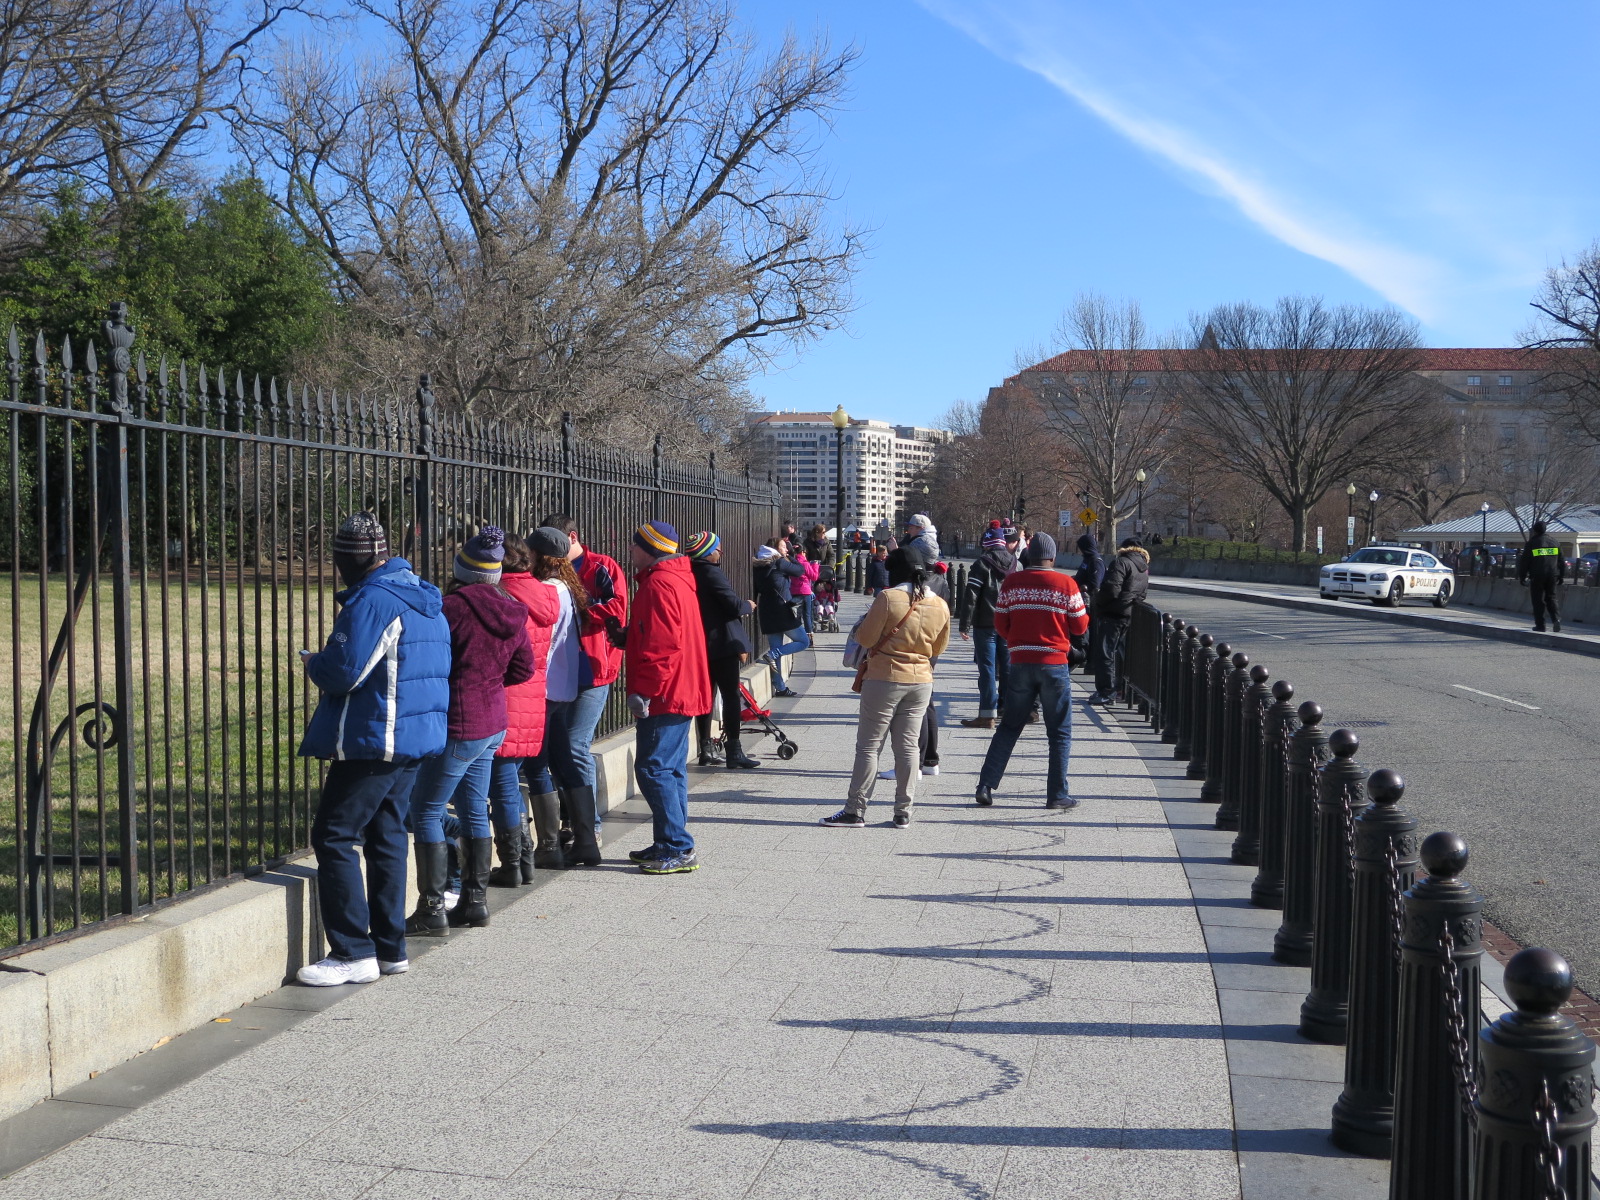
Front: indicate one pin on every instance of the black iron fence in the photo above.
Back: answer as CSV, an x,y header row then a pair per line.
x,y
1502,1111
165,546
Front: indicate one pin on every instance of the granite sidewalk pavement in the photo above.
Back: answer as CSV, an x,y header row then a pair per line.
x,y
992,1004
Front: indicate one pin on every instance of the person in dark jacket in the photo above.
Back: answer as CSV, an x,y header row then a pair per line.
x,y
384,683
817,546
1091,571
877,571
489,652
776,612
1541,569
722,613
1126,582
997,560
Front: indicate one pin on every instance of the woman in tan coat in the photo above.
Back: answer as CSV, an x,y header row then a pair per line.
x,y
904,632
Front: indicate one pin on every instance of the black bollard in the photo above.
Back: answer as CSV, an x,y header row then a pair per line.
x,y
1247,846
1308,750
1434,1070
1187,649
1386,865
1200,675
1234,688
1216,689
1535,1110
1277,727
1340,797
1169,681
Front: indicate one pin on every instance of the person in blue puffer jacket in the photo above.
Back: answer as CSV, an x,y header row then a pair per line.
x,y
384,676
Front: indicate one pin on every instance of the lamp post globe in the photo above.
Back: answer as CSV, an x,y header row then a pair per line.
x,y
1139,477
1350,516
1372,514
1483,535
841,421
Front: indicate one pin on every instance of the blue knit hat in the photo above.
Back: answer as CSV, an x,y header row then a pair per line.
x,y
479,560
656,537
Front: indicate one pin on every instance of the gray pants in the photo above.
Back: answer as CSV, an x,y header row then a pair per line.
x,y
888,710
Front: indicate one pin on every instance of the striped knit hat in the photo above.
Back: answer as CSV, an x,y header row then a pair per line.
x,y
361,536
479,560
994,537
702,545
656,537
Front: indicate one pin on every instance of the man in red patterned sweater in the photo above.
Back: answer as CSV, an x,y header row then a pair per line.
x,y
1042,617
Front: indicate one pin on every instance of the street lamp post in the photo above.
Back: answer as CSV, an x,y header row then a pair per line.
x,y
1372,515
841,421
1350,516
1483,538
1138,521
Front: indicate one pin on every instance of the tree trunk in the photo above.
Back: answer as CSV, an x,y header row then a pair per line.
x,y
1298,516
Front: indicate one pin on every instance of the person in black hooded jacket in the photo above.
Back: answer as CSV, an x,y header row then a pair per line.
x,y
722,613
997,560
1540,567
1089,575
1126,582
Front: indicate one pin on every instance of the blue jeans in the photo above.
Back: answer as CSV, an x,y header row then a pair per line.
x,y
661,765
567,760
364,801
1111,636
1051,686
461,774
797,641
505,794
808,611
993,659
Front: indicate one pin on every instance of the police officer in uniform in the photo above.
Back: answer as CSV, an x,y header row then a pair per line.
x,y
1539,566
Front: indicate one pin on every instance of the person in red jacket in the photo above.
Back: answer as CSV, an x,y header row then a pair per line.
x,y
525,719
489,652
1043,619
669,683
570,726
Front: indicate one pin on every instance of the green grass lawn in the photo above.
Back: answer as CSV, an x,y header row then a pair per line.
x,y
220,701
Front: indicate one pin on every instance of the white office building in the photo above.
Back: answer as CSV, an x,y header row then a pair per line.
x,y
883,464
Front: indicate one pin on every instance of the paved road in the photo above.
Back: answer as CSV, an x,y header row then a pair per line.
x,y
1498,742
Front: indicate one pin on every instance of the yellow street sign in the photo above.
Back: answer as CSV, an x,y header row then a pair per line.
x,y
1088,516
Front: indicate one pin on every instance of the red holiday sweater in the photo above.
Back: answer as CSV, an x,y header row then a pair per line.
x,y
1038,613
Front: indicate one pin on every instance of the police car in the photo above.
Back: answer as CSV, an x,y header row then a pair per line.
x,y
1387,574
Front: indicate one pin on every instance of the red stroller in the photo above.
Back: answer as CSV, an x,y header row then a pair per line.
x,y
754,714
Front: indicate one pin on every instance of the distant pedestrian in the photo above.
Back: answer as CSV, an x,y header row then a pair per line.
x,y
1041,615
777,613
571,725
817,546
877,571
1540,567
904,632
1091,570
921,534
669,684
383,679
489,651
1126,582
996,560
721,616
802,588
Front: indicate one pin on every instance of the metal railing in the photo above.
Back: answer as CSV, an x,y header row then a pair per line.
x,y
1497,1112
165,546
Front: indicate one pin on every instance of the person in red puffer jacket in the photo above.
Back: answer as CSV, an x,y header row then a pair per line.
x,y
525,720
570,730
489,652
669,684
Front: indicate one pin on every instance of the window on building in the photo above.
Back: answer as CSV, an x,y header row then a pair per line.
x,y
1505,381
1474,380
1508,435
1139,382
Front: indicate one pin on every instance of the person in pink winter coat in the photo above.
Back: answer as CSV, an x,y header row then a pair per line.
x,y
801,588
525,721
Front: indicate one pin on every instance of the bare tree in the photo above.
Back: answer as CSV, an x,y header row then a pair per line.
x,y
1112,409
1298,396
1541,483
1458,464
1564,343
1002,461
606,206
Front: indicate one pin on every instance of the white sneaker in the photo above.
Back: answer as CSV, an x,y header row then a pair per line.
x,y
930,770
889,774
451,899
394,968
331,972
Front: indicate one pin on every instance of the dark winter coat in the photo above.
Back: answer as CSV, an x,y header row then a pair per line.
x,y
983,587
1127,581
877,576
1540,560
1091,571
720,611
384,674
489,652
773,596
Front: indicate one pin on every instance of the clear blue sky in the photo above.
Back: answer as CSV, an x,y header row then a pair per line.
x,y
1011,153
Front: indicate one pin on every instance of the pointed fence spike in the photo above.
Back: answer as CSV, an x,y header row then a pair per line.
x,y
163,371
66,353
91,364
12,348
140,370
38,349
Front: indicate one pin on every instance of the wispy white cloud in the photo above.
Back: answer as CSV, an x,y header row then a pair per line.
x,y
1410,280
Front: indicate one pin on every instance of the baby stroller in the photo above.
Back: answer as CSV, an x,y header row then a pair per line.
x,y
827,594
753,714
